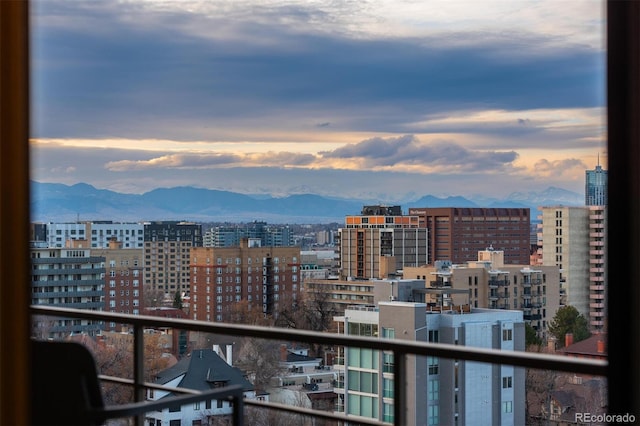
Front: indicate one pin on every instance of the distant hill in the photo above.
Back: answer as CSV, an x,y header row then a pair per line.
x,y
53,202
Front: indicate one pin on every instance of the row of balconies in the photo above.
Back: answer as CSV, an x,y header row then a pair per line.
x,y
498,283
79,305
47,295
59,283
57,261
532,317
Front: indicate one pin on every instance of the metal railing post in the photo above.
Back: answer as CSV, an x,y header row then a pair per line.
x,y
138,368
399,388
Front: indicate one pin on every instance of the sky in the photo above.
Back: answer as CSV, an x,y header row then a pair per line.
x,y
383,99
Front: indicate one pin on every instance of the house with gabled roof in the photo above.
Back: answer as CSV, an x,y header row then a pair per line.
x,y
202,370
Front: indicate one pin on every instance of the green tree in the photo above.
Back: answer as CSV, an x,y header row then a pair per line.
x,y
531,336
177,300
569,320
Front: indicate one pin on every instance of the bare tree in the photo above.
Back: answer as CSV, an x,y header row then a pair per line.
x,y
260,360
153,298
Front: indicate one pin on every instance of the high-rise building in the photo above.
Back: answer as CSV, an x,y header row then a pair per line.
x,y
97,234
124,290
458,234
167,248
534,290
380,241
231,235
438,391
264,279
574,239
69,278
595,191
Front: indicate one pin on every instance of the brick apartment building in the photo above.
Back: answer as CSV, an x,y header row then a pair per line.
x,y
458,234
264,279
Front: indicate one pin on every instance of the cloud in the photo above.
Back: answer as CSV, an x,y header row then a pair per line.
x,y
210,160
569,167
145,72
408,150
406,90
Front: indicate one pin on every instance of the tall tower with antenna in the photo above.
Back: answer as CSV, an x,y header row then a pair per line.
x,y
596,186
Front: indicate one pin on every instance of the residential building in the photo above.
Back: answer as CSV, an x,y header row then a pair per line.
x,y
264,279
69,278
124,291
98,234
594,347
438,391
380,235
231,235
489,283
595,192
200,371
341,293
457,234
305,381
167,246
178,339
574,239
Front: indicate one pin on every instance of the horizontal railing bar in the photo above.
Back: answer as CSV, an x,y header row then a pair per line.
x,y
313,413
467,353
149,385
262,404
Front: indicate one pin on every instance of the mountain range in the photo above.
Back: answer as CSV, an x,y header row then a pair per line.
x,y
54,202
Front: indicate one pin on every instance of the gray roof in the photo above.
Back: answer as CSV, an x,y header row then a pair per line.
x,y
293,357
202,369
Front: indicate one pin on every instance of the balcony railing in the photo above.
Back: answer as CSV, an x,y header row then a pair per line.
x,y
399,348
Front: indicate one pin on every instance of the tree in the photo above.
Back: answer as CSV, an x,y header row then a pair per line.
x,y
177,300
260,360
569,320
531,336
152,297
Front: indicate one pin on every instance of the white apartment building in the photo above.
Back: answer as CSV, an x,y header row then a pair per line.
x,y
97,234
438,391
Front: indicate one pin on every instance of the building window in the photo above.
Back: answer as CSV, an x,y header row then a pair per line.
x,y
433,415
507,334
507,382
387,388
432,362
507,407
434,390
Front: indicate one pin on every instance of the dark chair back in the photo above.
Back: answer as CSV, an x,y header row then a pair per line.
x,y
64,384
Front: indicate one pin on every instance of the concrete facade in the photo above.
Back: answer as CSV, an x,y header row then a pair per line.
x,y
534,290
98,234
69,278
574,239
438,391
378,233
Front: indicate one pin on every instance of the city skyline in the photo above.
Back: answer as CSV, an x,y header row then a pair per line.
x,y
330,98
